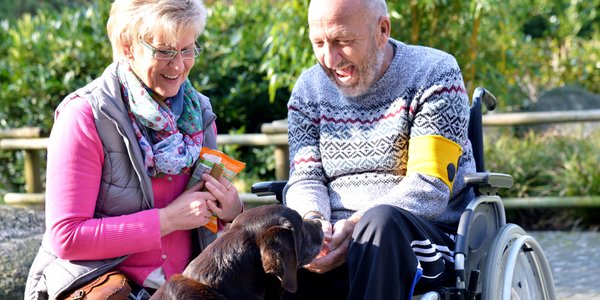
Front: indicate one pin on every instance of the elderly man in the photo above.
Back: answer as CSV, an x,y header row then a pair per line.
x,y
378,149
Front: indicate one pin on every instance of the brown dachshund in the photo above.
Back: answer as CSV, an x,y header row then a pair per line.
x,y
256,258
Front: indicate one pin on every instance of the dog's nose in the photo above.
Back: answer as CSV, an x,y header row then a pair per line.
x,y
314,230
312,241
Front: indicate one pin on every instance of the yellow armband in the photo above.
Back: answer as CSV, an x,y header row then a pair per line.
x,y
435,156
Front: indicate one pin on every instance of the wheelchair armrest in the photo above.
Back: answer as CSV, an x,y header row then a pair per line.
x,y
267,188
488,183
497,180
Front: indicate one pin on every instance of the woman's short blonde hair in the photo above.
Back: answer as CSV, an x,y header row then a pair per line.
x,y
131,20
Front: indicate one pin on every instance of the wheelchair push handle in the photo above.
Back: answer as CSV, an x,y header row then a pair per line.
x,y
486,97
268,188
481,95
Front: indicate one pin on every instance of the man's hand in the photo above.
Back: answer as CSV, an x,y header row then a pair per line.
x,y
335,246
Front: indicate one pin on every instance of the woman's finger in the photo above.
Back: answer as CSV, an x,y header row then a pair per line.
x,y
195,188
226,183
212,205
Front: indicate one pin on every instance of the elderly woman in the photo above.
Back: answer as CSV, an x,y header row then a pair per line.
x,y
120,155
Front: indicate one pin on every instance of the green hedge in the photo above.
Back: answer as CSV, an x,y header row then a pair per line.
x,y
256,49
546,164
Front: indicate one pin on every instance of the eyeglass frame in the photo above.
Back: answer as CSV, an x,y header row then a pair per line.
x,y
196,50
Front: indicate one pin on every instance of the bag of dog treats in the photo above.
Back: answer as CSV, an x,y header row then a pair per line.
x,y
211,157
216,163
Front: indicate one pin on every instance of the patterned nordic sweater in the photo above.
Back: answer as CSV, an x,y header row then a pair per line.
x,y
350,154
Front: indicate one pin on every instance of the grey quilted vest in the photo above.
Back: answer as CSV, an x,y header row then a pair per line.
x,y
125,187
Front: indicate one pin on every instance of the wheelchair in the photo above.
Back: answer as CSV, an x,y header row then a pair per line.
x,y
493,260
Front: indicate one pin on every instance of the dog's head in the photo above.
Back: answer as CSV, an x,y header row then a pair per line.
x,y
286,241
270,239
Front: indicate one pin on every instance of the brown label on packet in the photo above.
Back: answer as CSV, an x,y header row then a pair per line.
x,y
215,172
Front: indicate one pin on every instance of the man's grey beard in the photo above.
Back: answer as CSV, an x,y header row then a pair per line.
x,y
368,74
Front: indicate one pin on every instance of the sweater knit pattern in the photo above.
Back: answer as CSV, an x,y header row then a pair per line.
x,y
350,154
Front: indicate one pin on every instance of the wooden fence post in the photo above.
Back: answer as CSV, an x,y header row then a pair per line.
x,y
282,151
33,178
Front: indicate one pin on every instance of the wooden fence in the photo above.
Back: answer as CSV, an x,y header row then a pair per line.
x,y
32,143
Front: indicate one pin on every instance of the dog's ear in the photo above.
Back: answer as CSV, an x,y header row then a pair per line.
x,y
180,287
278,254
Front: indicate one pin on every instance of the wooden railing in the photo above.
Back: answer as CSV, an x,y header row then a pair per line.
x,y
544,117
31,142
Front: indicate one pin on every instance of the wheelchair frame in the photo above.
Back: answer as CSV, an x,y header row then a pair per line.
x,y
493,260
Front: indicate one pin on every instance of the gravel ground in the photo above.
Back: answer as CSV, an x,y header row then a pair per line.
x,y
575,261
20,237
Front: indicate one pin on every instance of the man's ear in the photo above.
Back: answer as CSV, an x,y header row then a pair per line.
x,y
384,28
278,253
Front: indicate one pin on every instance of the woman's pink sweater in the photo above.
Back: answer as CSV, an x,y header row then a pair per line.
x,y
74,170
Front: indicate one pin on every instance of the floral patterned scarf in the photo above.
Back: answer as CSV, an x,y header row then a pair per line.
x,y
170,137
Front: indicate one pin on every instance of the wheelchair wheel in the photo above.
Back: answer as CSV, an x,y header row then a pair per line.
x,y
516,268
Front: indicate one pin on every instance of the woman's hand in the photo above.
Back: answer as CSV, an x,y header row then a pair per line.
x,y
189,210
227,205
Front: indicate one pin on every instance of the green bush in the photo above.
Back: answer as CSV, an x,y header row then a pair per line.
x,y
231,70
11,9
45,57
251,60
497,46
50,55
546,164
256,49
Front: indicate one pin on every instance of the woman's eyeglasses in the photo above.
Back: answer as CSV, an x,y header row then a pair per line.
x,y
170,54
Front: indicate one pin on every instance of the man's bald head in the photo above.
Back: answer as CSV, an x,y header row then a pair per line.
x,y
370,8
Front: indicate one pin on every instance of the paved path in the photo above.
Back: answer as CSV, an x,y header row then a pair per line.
x,y
575,261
